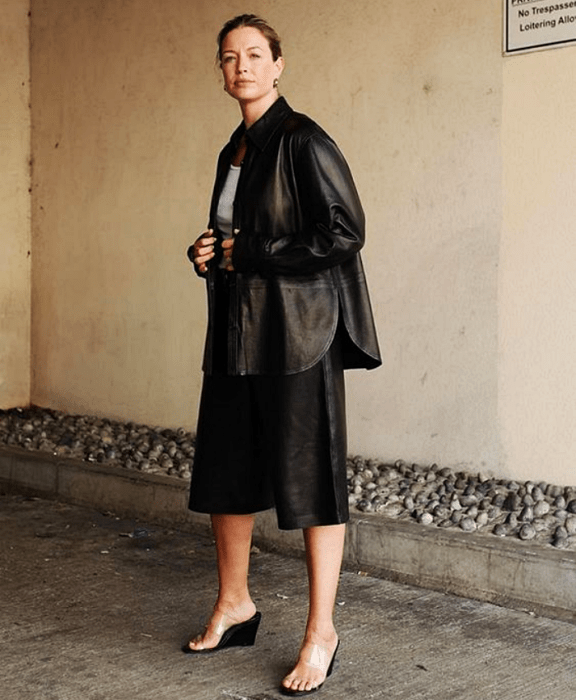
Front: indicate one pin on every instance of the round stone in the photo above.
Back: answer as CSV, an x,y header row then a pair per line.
x,y
512,520
501,530
537,494
455,503
472,511
541,508
498,500
392,510
527,532
426,519
482,518
539,525
457,516
469,500
442,512
561,532
527,514
364,506
512,502
467,524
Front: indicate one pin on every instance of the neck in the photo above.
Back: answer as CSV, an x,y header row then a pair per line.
x,y
252,111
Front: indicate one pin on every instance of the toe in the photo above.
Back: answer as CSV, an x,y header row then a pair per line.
x,y
196,644
292,683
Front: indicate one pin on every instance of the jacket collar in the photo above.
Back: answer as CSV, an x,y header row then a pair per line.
x,y
261,131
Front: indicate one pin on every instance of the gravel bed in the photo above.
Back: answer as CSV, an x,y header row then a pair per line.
x,y
130,445
429,495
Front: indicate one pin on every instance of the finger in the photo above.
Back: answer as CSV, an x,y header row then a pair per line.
x,y
203,250
204,243
206,250
203,259
205,235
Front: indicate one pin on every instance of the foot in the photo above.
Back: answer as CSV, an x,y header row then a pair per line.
x,y
223,617
313,663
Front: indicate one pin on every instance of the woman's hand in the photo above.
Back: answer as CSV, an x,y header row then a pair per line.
x,y
228,248
203,250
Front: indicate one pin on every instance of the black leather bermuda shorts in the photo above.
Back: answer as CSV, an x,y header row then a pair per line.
x,y
274,442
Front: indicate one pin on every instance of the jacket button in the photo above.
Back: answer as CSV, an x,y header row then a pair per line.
x,y
236,230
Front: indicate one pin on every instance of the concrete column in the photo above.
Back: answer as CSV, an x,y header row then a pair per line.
x,y
15,256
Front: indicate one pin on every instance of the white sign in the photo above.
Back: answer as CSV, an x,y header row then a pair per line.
x,y
530,25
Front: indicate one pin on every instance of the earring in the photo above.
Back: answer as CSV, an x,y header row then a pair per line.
x,y
275,83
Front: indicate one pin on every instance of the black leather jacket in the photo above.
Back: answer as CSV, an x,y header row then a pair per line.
x,y
298,227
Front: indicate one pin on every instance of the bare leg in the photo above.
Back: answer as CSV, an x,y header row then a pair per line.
x,y
233,534
324,547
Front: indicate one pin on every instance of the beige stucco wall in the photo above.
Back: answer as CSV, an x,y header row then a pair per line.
x,y
128,116
14,205
538,266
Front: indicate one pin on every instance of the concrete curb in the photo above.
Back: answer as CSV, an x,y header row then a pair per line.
x,y
535,578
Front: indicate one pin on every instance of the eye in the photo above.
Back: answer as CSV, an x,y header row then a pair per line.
x,y
255,55
228,59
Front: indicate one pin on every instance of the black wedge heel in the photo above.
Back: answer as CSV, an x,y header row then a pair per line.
x,y
242,634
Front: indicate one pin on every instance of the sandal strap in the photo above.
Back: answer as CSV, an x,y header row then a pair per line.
x,y
319,657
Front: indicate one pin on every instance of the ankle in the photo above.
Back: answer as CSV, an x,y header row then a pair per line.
x,y
324,634
235,606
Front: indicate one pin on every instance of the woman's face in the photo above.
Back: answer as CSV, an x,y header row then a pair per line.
x,y
248,66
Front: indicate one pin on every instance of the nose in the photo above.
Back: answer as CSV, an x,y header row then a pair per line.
x,y
241,65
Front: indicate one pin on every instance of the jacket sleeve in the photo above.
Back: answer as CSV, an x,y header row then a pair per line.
x,y
332,220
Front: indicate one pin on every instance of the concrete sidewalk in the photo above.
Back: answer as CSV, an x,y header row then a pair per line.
x,y
524,575
95,608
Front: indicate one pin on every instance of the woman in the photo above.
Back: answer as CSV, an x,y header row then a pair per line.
x,y
288,311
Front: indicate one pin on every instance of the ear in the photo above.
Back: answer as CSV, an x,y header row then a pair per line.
x,y
279,63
